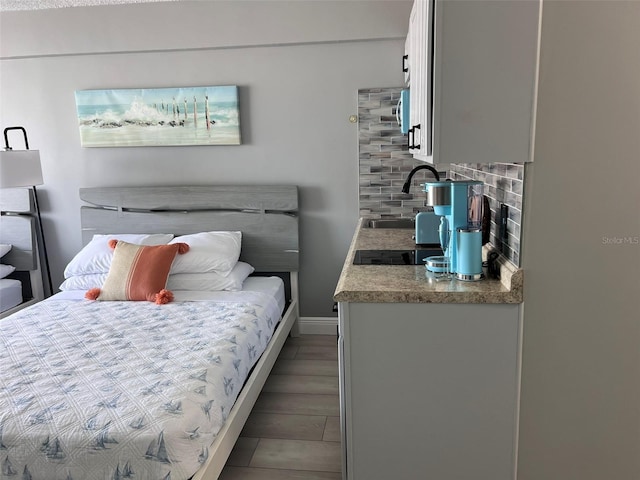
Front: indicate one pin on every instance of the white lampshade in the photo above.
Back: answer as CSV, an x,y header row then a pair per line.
x,y
20,168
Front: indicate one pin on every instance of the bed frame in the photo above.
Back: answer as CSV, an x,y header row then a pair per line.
x,y
268,219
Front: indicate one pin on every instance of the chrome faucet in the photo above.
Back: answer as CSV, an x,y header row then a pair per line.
x,y
407,184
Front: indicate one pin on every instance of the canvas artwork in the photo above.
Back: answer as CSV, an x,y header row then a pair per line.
x,y
159,116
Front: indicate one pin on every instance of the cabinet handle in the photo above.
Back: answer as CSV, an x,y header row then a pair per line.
x,y
409,135
404,64
414,136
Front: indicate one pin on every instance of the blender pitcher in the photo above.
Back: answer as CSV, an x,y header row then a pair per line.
x,y
469,239
475,195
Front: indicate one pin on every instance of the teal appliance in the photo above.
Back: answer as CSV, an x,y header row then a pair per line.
x,y
427,223
460,206
402,111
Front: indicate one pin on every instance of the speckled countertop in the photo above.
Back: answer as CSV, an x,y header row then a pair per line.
x,y
409,283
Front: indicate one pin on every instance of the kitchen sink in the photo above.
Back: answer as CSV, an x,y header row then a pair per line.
x,y
389,223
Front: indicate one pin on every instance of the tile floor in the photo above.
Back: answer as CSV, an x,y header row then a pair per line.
x,y
293,431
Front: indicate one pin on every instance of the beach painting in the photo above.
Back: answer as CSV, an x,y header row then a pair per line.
x,y
159,116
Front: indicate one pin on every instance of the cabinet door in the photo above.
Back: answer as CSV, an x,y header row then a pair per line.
x,y
406,59
474,80
415,111
421,87
431,391
486,71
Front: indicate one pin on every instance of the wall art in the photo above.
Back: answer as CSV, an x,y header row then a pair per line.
x,y
159,116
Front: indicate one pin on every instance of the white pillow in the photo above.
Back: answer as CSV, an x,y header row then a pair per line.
x,y
84,282
6,270
4,249
96,256
211,281
208,252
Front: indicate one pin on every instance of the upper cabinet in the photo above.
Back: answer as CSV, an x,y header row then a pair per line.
x,y
472,71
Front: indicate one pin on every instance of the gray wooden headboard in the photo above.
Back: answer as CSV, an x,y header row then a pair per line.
x,y
267,215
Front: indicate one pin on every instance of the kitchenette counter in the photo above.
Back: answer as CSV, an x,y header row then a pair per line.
x,y
409,283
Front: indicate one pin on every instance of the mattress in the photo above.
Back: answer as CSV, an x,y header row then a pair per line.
x,y
10,293
94,390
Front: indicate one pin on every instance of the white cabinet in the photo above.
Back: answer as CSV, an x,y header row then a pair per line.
x,y
419,50
473,80
429,391
405,59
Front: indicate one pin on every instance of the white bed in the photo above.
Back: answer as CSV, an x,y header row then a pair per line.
x,y
108,379
19,229
10,294
93,389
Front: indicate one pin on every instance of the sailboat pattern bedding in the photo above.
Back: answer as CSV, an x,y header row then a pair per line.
x,y
118,390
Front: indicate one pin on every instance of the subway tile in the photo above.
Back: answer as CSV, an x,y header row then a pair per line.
x,y
368,148
381,183
381,126
515,171
370,206
369,104
401,141
402,154
381,157
516,186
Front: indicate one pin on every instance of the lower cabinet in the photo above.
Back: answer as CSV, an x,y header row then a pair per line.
x,y
429,391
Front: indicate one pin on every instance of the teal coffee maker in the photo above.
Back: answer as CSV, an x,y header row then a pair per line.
x,y
459,205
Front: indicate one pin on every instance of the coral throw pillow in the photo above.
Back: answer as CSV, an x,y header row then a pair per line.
x,y
138,272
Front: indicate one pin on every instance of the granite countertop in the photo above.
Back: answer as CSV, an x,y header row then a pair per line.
x,y
409,283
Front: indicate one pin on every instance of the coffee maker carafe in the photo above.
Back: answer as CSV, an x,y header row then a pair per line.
x,y
460,204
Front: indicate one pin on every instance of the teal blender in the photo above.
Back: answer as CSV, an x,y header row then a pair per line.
x,y
459,203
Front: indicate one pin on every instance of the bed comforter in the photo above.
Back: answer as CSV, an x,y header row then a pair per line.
x,y
117,390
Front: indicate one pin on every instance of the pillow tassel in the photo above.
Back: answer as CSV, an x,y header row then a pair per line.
x,y
164,296
92,294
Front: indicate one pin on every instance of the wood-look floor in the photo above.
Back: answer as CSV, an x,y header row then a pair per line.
x,y
293,431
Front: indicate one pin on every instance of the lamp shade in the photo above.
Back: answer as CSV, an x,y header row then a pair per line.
x,y
20,168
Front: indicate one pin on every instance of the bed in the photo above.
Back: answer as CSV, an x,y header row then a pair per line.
x,y
122,389
10,294
20,278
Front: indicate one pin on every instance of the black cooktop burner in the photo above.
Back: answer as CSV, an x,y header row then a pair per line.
x,y
394,257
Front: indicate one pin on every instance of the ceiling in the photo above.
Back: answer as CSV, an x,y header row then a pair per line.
x,y
13,5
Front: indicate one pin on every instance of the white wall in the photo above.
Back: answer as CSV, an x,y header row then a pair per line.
x,y
298,65
580,409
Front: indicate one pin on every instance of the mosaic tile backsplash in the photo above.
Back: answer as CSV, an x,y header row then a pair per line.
x,y
385,162
503,185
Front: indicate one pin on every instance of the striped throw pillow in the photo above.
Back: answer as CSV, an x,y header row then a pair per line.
x,y
138,272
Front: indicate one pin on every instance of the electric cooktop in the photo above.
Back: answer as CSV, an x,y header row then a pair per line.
x,y
395,257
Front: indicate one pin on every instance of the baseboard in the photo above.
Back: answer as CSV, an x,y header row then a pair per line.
x,y
318,325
